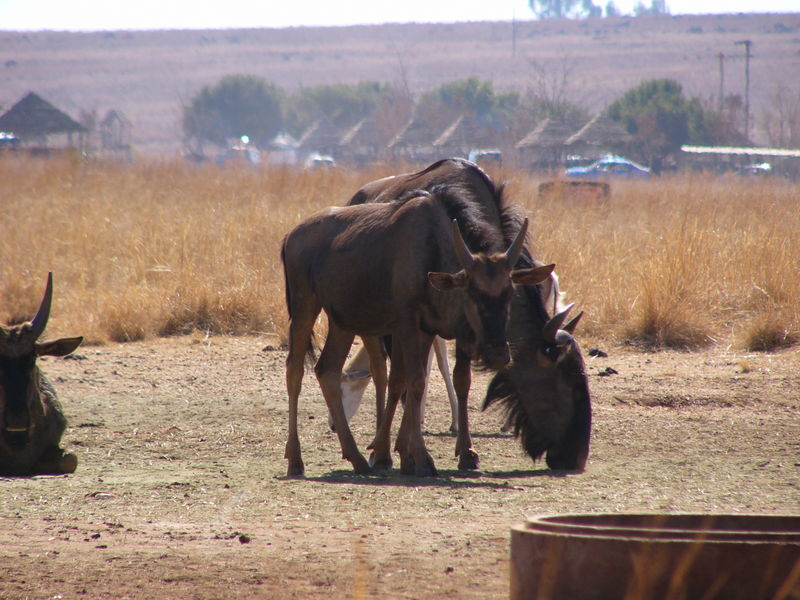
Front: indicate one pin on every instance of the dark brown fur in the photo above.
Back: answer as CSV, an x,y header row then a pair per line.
x,y
396,268
31,419
544,389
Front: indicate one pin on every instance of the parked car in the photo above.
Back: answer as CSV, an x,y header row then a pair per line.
x,y
610,166
8,141
755,170
241,154
320,161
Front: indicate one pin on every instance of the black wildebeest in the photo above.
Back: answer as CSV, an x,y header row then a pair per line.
x,y
32,420
404,269
544,390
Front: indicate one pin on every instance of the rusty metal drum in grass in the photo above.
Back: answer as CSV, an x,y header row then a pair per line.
x,y
654,556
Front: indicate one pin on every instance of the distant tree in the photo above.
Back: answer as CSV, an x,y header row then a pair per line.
x,y
590,9
656,7
559,9
468,94
661,119
781,118
342,104
612,10
471,96
552,93
237,105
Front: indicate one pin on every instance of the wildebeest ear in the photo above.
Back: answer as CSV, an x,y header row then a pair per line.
x,y
60,347
444,282
532,276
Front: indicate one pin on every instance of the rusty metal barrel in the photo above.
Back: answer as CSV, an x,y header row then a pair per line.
x,y
638,556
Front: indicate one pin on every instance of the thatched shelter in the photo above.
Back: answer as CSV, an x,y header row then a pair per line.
x,y
115,135
414,141
466,133
545,146
33,119
321,137
366,141
601,135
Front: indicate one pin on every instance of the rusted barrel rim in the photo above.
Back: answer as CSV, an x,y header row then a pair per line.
x,y
671,527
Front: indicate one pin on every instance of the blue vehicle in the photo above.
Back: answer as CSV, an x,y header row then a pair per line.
x,y
610,167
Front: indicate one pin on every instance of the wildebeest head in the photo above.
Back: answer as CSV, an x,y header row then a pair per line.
x,y
544,390
21,407
487,281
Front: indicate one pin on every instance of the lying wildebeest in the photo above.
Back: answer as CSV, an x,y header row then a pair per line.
x,y
544,390
400,269
32,420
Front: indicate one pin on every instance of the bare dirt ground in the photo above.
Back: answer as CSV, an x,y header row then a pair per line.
x,y
180,491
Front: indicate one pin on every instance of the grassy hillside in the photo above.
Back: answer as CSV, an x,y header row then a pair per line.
x,y
148,75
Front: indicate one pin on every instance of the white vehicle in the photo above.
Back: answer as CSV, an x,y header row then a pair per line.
x,y
320,161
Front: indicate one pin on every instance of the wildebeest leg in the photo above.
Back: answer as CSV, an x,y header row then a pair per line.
x,y
462,379
377,367
416,346
329,374
440,347
300,329
381,457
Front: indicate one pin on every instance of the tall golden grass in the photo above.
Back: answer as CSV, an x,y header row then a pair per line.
x,y
166,248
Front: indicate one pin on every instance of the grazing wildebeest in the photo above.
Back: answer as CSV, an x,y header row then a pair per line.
x,y
544,390
402,269
32,420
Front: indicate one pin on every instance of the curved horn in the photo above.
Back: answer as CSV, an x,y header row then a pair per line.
x,y
515,249
552,330
39,322
462,252
573,323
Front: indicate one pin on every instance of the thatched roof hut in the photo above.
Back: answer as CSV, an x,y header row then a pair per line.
x,y
545,146
365,141
547,134
414,141
321,137
33,117
465,133
115,134
599,136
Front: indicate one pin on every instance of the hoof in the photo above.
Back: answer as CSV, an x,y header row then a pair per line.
x,y
364,469
296,470
68,463
426,471
426,468
468,461
406,465
380,463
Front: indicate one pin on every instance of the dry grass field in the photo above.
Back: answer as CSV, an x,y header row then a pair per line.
x,y
148,75
177,401
165,248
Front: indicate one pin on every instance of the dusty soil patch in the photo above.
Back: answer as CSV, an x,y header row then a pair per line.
x,y
180,491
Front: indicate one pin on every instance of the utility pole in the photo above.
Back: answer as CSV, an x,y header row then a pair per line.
x,y
747,44
721,82
513,32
